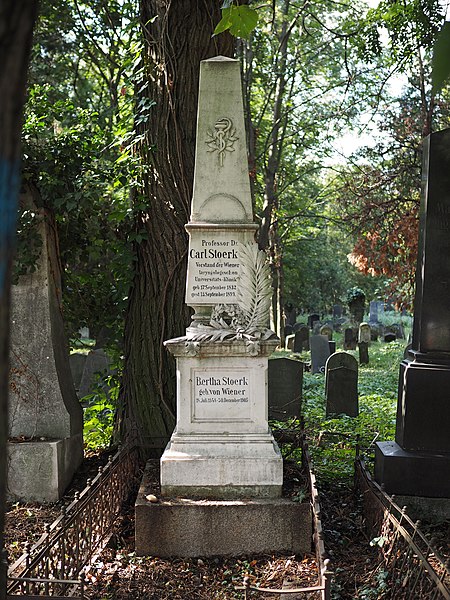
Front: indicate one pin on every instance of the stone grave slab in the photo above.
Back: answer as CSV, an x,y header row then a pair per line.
x,y
320,351
341,385
301,340
285,388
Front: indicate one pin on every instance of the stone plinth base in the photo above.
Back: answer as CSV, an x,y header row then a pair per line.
x,y
234,467
179,527
40,471
432,510
423,415
411,473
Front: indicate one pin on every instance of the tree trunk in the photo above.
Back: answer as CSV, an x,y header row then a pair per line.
x,y
16,27
177,37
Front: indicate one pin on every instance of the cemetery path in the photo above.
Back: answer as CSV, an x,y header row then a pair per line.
x,y
119,574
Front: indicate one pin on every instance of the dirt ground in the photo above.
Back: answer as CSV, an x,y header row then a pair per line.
x,y
119,574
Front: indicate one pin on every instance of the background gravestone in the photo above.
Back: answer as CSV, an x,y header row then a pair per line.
x,y
337,311
327,330
77,362
341,385
285,382
44,408
312,318
301,340
350,338
97,365
320,351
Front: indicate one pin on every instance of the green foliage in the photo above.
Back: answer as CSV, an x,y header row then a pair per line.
x,y
99,409
78,141
332,441
239,20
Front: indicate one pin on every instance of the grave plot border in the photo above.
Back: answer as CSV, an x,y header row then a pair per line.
x,y
55,565
322,591
416,570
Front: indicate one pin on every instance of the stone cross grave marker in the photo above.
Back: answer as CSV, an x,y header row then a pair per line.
x,y
341,385
285,379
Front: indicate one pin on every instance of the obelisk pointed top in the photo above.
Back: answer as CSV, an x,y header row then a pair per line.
x,y
221,180
220,58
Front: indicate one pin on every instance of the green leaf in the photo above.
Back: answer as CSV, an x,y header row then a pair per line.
x,y
441,58
240,20
244,20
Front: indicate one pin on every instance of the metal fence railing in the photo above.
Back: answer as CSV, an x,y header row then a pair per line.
x,y
322,590
54,565
414,568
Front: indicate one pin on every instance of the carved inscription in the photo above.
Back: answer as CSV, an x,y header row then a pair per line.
x,y
213,270
221,395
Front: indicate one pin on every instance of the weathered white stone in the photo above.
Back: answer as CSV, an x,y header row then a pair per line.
x,y
222,445
221,182
43,401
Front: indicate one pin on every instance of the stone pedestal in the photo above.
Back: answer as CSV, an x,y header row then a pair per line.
x,y
40,471
222,446
187,527
44,411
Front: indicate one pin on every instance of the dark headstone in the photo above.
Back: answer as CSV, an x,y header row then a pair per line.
x,y
285,381
288,330
332,346
337,311
389,337
418,460
290,314
312,319
301,340
396,328
341,385
350,338
297,326
320,351
363,348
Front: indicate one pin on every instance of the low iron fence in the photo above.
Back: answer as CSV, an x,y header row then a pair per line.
x,y
414,568
322,590
53,566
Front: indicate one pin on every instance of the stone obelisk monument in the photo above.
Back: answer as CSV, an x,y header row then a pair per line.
x,y
417,464
222,471
222,446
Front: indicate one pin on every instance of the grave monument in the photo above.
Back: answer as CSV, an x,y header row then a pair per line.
x,y
222,471
45,417
417,464
341,385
